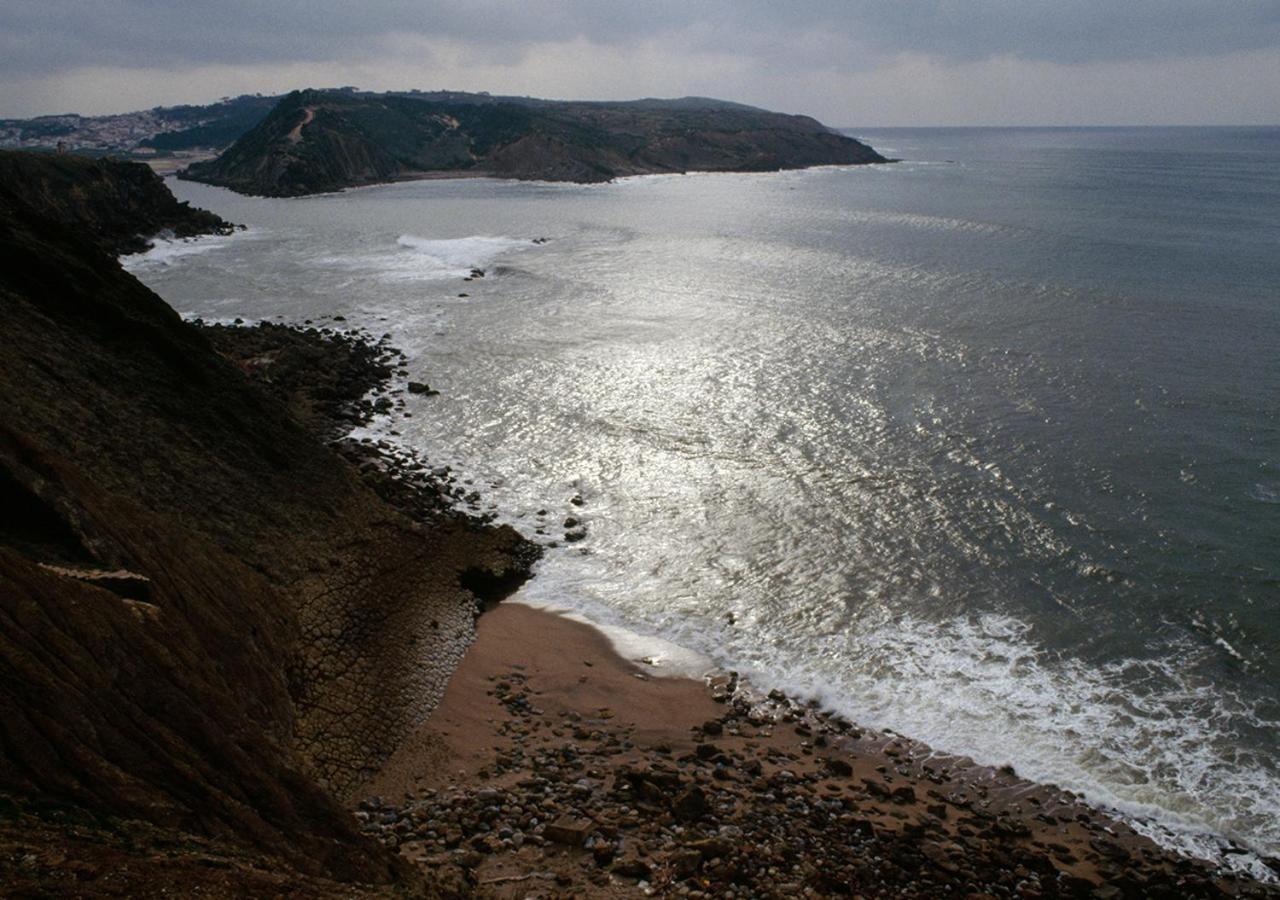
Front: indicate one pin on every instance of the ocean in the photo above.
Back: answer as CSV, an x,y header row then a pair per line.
x,y
982,446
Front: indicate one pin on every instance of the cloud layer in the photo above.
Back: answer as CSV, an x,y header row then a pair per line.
x,y
799,55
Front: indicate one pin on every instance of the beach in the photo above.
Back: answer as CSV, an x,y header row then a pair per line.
x,y
555,767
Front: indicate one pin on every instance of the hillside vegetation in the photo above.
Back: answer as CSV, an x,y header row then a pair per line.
x,y
316,141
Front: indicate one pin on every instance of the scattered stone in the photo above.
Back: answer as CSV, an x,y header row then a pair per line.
x,y
685,863
838,767
690,805
633,868
752,817
570,830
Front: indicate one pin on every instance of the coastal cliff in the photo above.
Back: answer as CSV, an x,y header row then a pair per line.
x,y
317,141
208,622
121,206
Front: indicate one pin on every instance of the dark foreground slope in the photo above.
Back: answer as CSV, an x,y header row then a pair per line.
x,y
316,141
120,205
207,622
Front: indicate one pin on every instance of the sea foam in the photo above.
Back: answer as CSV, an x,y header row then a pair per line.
x,y
1163,755
167,251
414,259
429,258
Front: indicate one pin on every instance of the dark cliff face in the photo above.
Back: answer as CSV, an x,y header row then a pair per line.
x,y
121,204
317,141
206,620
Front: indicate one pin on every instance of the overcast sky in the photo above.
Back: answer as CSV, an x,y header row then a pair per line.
x,y
848,62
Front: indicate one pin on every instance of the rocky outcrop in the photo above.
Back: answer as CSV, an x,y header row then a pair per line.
x,y
122,205
316,141
278,627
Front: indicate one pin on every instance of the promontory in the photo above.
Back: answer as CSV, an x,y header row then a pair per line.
x,y
317,141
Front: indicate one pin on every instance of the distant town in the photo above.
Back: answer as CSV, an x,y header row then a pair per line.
x,y
164,131
150,133
98,133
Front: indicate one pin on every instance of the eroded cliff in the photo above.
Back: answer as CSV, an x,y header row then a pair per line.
x,y
207,621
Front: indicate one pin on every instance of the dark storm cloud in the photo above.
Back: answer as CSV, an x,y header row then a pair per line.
x,y
45,37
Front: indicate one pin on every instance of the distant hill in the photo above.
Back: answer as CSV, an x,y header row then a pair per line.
x,y
316,141
217,125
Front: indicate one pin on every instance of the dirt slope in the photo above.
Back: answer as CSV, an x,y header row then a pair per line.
x,y
206,621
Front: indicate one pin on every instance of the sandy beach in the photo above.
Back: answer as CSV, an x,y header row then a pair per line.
x,y
554,767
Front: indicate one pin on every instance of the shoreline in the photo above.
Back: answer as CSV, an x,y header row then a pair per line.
x,y
404,775
555,764
552,764
488,174
661,658
435,496
378,458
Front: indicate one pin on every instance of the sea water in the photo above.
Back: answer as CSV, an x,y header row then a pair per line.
x,y
982,446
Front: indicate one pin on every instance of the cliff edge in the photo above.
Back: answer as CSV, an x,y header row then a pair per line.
x,y
119,205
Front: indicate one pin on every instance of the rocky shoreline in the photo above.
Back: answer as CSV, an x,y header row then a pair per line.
x,y
336,379
574,772
729,793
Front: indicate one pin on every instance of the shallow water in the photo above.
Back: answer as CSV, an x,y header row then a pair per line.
x,y
982,447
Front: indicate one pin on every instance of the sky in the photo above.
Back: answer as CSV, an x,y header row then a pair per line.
x,y
848,62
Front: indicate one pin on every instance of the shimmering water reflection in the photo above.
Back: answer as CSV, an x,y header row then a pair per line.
x,y
979,451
